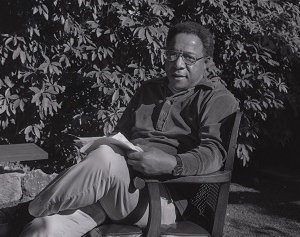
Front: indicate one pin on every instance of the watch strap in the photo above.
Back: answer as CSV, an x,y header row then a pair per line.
x,y
179,167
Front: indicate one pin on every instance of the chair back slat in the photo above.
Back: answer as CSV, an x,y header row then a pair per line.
x,y
233,141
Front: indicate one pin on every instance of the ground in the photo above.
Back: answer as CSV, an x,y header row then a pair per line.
x,y
267,206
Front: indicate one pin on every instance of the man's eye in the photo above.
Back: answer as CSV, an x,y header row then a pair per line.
x,y
189,57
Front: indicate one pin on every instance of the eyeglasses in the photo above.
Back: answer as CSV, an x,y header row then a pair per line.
x,y
172,55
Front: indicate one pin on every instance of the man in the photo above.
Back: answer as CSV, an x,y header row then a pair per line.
x,y
176,120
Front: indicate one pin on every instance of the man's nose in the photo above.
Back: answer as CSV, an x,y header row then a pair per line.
x,y
179,62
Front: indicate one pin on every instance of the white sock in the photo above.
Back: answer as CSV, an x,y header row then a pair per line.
x,y
60,225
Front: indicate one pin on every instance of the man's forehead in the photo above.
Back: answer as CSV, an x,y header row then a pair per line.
x,y
184,42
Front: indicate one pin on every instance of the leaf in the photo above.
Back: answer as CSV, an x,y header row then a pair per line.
x,y
35,89
98,32
149,38
45,8
14,97
125,20
45,103
141,33
43,66
8,82
157,9
37,132
112,38
16,53
133,65
22,104
35,10
45,15
3,106
28,129
115,96
23,56
51,91
7,93
67,26
35,98
8,40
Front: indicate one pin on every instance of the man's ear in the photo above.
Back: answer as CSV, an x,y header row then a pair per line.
x,y
207,60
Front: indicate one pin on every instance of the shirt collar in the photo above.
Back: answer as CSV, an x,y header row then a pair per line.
x,y
204,82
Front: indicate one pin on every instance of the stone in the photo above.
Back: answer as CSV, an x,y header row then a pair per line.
x,y
10,187
34,181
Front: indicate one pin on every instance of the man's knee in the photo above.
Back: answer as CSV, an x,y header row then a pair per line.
x,y
108,158
105,153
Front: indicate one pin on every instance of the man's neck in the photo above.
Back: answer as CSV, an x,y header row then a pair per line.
x,y
172,89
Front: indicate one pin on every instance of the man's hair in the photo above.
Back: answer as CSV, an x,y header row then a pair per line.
x,y
195,29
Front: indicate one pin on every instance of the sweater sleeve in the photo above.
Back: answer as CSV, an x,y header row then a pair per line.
x,y
210,154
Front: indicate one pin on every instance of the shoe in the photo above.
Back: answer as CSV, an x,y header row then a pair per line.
x,y
5,230
4,227
13,219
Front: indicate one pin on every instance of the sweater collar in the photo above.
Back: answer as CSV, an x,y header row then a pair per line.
x,y
205,82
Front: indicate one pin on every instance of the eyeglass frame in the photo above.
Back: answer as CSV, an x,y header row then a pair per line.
x,y
180,54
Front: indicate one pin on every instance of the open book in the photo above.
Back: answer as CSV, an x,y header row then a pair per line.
x,y
88,144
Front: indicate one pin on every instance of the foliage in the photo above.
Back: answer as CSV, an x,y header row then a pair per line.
x,y
71,67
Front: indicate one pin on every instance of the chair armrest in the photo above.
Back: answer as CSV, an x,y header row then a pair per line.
x,y
216,177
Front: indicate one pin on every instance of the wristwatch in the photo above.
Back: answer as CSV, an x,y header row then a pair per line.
x,y
178,168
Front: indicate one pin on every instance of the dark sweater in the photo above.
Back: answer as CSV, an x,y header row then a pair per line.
x,y
187,123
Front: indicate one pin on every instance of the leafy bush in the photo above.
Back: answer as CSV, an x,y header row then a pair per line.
x,y
71,67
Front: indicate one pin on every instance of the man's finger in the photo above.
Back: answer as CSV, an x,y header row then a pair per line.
x,y
133,155
134,164
131,162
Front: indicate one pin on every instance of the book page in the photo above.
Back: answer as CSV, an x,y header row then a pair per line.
x,y
89,144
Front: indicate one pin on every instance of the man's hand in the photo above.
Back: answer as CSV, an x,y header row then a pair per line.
x,y
151,161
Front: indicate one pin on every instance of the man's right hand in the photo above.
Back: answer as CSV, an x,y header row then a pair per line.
x,y
151,161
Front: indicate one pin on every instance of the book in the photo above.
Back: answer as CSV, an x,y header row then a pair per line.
x,y
88,144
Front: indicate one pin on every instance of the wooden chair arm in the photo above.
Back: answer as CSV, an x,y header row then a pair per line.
x,y
216,177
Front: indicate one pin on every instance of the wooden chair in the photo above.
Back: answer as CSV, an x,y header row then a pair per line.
x,y
209,219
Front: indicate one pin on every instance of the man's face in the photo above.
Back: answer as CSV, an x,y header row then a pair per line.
x,y
182,76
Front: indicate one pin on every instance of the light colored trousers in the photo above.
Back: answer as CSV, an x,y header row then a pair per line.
x,y
79,198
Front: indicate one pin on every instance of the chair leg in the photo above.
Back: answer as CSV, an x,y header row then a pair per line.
x,y
154,221
220,214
